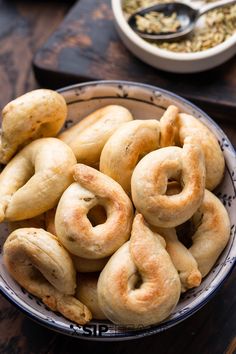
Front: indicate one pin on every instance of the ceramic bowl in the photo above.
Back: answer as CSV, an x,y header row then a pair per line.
x,y
167,60
143,101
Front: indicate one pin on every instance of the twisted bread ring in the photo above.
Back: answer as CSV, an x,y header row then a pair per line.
x,y
188,126
88,137
37,261
126,147
81,264
182,259
86,292
150,179
37,114
212,232
47,221
168,126
143,260
35,178
96,215
73,227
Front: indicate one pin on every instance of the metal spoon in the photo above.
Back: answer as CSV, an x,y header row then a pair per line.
x,y
186,15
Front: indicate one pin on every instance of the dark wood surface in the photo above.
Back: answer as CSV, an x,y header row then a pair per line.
x,y
87,47
24,26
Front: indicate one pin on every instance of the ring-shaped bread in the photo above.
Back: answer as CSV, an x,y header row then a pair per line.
x,y
182,259
212,231
83,265
88,137
86,292
126,147
33,181
73,227
150,181
168,126
37,114
39,263
189,126
139,285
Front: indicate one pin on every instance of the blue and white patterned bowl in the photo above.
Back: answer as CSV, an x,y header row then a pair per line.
x,y
144,101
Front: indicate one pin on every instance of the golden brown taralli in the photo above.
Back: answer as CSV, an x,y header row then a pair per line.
x,y
37,114
33,181
212,233
189,126
39,263
81,264
86,292
182,259
168,126
139,285
73,227
89,217
150,181
88,137
126,147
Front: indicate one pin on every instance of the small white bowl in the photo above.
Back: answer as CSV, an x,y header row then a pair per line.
x,y
165,59
143,101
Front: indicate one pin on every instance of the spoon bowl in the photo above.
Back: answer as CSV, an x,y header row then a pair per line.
x,y
185,14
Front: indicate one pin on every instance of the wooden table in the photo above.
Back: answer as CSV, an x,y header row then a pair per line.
x,y
24,26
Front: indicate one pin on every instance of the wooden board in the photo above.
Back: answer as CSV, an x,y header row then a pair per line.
x,y
22,32
87,47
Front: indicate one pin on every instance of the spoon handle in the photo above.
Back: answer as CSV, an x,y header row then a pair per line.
x,y
214,5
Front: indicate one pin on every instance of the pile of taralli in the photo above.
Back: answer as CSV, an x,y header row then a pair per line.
x,y
114,217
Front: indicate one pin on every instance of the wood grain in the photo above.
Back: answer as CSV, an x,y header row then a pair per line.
x,y
86,47
23,29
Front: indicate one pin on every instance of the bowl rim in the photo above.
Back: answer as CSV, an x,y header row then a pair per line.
x,y
163,53
128,335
